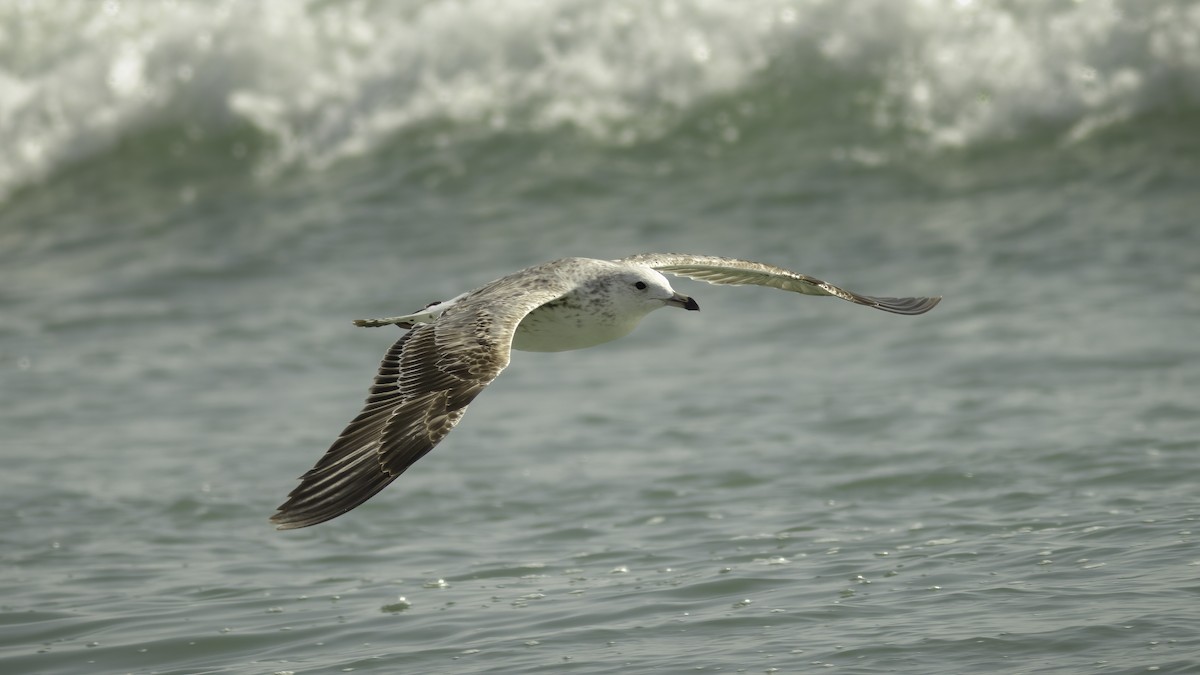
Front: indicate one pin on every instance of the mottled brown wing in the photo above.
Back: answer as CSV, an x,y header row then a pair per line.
x,y
423,387
716,270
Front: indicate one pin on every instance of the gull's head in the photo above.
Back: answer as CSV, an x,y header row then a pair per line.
x,y
651,290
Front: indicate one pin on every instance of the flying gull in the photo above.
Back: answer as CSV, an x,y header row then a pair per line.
x,y
453,349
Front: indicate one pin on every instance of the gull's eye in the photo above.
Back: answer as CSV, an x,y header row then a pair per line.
x,y
641,285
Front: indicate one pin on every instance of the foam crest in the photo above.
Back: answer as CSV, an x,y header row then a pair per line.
x,y
328,80
323,81
980,71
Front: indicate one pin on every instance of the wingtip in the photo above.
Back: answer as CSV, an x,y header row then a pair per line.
x,y
906,306
282,520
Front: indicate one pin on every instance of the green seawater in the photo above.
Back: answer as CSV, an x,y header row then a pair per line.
x,y
1008,484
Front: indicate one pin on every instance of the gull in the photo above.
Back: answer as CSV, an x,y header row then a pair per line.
x,y
453,349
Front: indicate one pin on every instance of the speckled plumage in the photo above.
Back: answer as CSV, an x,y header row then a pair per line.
x,y
454,349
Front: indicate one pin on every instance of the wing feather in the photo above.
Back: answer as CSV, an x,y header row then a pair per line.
x,y
717,270
420,392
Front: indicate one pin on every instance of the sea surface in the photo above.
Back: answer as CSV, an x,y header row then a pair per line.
x,y
196,199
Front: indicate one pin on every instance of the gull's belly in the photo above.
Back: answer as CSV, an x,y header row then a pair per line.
x,y
559,327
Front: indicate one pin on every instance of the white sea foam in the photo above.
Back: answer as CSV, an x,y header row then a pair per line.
x,y
328,80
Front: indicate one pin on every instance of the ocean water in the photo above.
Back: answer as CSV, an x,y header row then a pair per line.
x,y
197,198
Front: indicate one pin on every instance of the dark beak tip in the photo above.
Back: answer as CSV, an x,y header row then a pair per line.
x,y
692,305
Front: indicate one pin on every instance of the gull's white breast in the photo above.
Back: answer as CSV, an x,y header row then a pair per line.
x,y
572,322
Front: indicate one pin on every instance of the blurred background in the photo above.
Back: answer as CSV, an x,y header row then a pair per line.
x,y
196,198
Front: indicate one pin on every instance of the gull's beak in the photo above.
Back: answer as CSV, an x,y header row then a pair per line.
x,y
680,300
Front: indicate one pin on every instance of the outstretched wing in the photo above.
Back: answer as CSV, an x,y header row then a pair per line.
x,y
423,387
716,270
